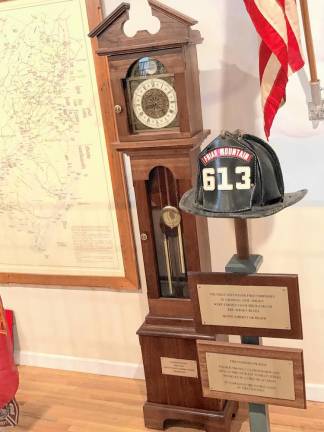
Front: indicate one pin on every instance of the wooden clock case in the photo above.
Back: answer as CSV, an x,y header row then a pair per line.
x,y
173,46
168,330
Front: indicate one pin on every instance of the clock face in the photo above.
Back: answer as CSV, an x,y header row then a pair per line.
x,y
155,103
171,216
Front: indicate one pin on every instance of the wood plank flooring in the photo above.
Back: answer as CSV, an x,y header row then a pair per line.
x,y
58,401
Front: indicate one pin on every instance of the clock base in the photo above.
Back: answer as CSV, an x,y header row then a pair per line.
x,y
173,384
158,416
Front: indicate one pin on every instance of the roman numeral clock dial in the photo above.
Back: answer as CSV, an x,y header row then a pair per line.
x,y
151,97
155,103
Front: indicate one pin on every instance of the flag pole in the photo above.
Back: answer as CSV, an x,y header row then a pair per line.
x,y
314,81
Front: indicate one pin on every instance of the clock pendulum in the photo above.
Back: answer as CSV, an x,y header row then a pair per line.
x,y
173,246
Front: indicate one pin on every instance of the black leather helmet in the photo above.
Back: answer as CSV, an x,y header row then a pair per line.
x,y
239,176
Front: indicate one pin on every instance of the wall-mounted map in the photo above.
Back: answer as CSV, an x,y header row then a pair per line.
x,y
57,211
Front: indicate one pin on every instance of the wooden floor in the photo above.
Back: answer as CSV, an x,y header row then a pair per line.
x,y
57,401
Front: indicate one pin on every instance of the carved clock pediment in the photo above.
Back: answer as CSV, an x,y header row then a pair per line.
x,y
175,30
154,79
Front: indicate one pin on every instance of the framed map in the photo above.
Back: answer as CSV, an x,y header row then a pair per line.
x,y
59,177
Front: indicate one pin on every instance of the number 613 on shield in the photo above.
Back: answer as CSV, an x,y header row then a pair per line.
x,y
242,173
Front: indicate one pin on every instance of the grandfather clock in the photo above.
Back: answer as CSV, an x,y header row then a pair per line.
x,y
156,94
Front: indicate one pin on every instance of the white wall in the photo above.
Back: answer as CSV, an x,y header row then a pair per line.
x,y
101,324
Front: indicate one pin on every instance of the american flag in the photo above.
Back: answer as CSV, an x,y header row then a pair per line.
x,y
276,21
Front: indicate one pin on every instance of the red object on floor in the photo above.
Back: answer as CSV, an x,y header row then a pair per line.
x,y
9,379
9,318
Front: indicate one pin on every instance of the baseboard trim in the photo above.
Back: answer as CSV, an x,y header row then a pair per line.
x,y
79,364
314,392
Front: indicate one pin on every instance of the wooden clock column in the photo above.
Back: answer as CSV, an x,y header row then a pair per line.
x,y
156,94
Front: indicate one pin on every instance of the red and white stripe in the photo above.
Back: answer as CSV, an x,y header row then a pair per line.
x,y
276,21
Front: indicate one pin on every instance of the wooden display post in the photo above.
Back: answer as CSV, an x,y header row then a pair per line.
x,y
243,262
258,413
250,305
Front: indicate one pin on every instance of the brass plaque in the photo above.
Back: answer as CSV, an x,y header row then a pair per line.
x,y
179,367
250,373
253,376
244,306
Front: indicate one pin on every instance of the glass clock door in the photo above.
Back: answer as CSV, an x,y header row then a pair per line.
x,y
168,235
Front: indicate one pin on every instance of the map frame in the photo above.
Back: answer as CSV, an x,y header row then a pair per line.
x,y
130,280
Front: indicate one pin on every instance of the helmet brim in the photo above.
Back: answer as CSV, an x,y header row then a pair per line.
x,y
188,205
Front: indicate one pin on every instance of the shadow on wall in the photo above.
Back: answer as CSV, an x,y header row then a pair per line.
x,y
231,101
236,92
